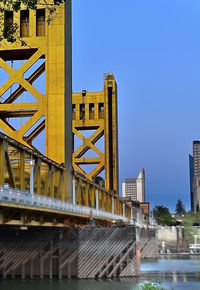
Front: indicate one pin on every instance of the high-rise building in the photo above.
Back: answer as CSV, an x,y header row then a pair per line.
x,y
194,163
191,167
134,188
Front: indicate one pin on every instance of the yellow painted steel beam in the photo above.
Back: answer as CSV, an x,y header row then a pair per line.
x,y
35,133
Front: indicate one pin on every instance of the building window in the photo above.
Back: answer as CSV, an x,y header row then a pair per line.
x,y
82,111
8,17
8,22
91,111
24,23
101,110
73,112
40,22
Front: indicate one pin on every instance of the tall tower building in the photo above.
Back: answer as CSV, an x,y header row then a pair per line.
x,y
194,162
196,157
134,188
191,167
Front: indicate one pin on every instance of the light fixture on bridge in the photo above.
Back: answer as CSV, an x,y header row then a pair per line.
x,y
23,228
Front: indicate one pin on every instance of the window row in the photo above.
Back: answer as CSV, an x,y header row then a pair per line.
x,y
24,22
81,109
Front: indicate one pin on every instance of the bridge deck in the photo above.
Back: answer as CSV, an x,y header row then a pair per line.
x,y
12,200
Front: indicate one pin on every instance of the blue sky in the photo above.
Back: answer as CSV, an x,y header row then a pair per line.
x,y
153,49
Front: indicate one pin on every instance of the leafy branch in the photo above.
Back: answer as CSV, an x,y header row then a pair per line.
x,y
9,30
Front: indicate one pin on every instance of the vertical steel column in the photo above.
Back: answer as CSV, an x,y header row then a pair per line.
x,y
97,199
74,192
22,170
2,162
68,100
32,163
124,213
131,213
113,205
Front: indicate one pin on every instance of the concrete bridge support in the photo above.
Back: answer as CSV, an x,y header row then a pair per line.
x,y
93,252
148,243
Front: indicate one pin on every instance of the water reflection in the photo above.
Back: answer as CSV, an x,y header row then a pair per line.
x,y
173,272
184,278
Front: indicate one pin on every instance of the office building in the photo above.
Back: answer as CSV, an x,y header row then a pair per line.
x,y
191,168
194,165
134,188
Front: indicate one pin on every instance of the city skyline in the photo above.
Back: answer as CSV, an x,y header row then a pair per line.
x,y
154,52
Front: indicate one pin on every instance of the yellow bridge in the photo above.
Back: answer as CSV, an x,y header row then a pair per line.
x,y
61,187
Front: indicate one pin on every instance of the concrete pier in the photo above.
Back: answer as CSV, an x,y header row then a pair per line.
x,y
91,252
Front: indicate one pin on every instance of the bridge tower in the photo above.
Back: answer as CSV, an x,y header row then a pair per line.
x,y
94,118
44,78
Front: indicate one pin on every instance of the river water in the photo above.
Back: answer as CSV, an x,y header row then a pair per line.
x,y
171,271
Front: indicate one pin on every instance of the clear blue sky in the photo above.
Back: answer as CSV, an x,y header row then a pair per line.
x,y
153,48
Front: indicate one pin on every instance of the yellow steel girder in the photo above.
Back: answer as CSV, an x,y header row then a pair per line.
x,y
44,53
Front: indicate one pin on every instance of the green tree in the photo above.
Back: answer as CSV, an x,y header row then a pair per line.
x,y
180,208
9,31
188,221
163,216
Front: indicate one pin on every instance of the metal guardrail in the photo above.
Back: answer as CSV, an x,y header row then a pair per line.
x,y
194,246
36,200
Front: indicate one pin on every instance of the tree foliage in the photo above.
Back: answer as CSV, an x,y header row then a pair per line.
x,y
180,208
9,31
163,216
188,222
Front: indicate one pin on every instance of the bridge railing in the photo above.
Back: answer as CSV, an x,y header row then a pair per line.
x,y
14,196
90,194
23,169
28,170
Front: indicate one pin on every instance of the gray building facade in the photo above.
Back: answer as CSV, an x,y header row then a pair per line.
x,y
194,166
134,188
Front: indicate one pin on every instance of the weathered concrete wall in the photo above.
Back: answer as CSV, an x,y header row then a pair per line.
x,y
80,252
171,239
